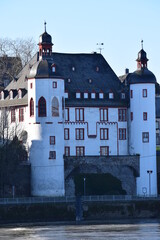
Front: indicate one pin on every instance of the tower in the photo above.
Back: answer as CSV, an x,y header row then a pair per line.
x,y
142,129
46,118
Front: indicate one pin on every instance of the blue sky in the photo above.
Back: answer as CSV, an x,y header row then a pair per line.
x,y
78,25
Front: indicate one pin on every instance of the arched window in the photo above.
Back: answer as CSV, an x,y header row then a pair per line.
x,y
55,107
42,107
31,107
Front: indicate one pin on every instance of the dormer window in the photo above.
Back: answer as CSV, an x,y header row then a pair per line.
x,y
53,68
90,80
78,95
93,95
2,95
19,93
73,69
69,80
123,95
54,84
11,94
101,95
66,94
85,95
111,95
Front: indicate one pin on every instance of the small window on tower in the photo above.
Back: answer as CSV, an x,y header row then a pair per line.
x,y
144,93
52,140
145,116
53,68
145,137
54,85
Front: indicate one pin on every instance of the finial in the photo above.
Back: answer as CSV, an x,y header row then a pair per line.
x,y
45,26
142,43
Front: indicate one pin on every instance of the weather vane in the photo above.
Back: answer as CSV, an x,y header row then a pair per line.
x,y
100,46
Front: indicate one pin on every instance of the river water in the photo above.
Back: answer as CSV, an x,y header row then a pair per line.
x,y
135,231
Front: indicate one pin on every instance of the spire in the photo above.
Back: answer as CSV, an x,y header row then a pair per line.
x,y
142,43
45,26
142,58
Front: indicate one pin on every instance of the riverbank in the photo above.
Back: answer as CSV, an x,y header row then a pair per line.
x,y
80,212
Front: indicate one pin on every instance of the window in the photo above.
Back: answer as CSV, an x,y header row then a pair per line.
x,y
123,95
67,151
145,116
31,107
52,140
93,95
80,151
101,95
145,137
103,114
85,95
67,114
79,133
52,155
11,95
122,133
104,151
55,107
111,95
66,134
31,85
78,95
42,107
131,93
79,114
54,84
53,68
19,93
131,116
144,93
13,115
21,115
103,133
2,95
122,115
157,125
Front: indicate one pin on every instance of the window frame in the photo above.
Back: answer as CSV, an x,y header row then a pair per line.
x,y
21,114
106,149
145,139
52,140
67,150
66,134
144,93
52,156
54,84
79,133
145,116
13,115
103,115
122,114
104,133
80,153
67,114
79,114
40,107
122,134
31,107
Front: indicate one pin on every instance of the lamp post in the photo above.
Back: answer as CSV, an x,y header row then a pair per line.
x,y
84,187
149,172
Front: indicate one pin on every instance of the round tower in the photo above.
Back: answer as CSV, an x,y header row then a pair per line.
x,y
46,130
142,128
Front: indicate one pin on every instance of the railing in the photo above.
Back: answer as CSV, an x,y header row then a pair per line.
x,y
72,199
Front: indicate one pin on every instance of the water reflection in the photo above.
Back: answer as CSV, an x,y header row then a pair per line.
x,y
139,231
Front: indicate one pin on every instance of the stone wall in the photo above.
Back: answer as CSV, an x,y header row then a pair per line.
x,y
125,168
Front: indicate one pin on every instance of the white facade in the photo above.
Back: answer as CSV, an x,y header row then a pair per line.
x,y
142,139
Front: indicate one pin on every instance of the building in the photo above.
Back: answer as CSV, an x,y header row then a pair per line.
x,y
76,117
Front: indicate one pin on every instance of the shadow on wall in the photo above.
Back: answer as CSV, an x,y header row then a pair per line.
x,y
98,184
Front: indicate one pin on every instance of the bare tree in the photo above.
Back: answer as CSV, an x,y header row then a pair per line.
x,y
14,54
